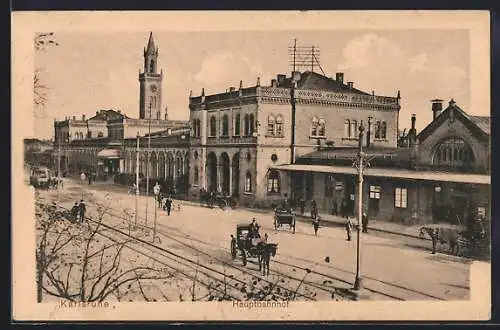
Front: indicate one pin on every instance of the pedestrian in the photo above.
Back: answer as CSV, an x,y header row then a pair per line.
x,y
334,207
434,236
168,204
90,178
364,222
314,209
302,206
316,225
83,176
82,209
74,212
348,228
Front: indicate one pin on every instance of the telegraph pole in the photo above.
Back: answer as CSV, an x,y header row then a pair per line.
x,y
147,162
360,163
137,180
58,166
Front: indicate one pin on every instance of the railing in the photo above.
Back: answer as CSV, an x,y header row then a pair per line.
x,y
232,140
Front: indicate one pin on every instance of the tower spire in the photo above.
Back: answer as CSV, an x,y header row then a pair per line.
x,y
151,44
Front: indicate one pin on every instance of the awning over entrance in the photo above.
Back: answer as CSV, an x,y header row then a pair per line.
x,y
109,154
391,173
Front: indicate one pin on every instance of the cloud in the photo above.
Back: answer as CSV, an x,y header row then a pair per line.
x,y
361,52
223,69
418,62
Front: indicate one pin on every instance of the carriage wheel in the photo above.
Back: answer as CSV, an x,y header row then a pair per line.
x,y
233,249
244,257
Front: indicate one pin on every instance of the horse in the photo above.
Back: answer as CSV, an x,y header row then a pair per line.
x,y
265,252
442,235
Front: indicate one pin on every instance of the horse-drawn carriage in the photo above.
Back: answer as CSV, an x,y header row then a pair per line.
x,y
216,199
462,240
284,216
251,245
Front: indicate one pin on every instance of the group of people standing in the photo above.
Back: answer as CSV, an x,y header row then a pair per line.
x,y
78,211
164,201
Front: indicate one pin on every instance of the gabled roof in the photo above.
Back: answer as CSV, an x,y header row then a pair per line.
x,y
316,81
104,115
478,125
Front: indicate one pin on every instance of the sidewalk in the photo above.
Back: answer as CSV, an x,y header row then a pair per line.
x,y
380,226
332,220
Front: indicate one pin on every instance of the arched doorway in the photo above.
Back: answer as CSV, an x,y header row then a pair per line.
x,y
212,172
225,172
236,175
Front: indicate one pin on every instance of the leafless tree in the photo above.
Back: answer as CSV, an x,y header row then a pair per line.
x,y
42,42
84,264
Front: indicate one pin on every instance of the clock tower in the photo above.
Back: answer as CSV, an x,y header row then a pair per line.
x,y
150,84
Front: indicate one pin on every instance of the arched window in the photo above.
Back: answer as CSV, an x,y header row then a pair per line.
x,y
270,125
314,126
248,182
354,128
151,66
383,133
273,182
321,127
246,125
196,175
347,128
377,129
213,126
195,127
237,125
251,123
279,126
453,152
225,126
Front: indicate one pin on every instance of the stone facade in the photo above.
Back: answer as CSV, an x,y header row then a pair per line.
x,y
237,136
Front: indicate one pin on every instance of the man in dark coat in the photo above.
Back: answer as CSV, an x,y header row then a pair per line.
x,y
254,229
74,212
364,222
314,210
82,209
168,204
348,228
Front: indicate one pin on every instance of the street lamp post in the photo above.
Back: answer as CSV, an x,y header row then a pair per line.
x,y
137,180
58,166
358,285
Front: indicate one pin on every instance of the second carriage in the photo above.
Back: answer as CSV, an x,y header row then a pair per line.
x,y
284,216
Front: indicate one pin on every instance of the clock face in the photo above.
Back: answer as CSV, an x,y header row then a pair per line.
x,y
154,88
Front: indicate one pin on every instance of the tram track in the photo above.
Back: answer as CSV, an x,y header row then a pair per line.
x,y
416,294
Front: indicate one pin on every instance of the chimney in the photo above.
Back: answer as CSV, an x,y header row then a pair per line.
x,y
350,84
241,84
83,117
339,77
437,107
258,82
281,78
231,89
97,113
273,83
74,117
412,134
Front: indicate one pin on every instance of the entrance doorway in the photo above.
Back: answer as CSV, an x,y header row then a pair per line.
x,y
212,172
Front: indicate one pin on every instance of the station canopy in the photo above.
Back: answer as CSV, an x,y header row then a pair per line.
x,y
109,154
391,173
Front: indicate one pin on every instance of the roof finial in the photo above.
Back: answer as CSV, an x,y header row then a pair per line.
x,y
452,102
203,92
258,81
190,93
399,94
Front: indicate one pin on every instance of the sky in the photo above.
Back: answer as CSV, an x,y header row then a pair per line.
x,y
89,71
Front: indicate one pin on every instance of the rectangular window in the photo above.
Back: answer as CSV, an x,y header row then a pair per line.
x,y
273,185
401,198
375,192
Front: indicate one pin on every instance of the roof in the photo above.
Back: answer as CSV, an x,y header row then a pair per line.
x,y
109,154
392,173
105,115
478,125
243,225
377,156
483,122
315,81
